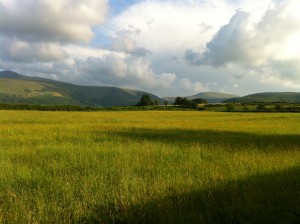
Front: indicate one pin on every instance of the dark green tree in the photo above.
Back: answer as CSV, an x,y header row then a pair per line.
x,y
145,101
279,107
246,108
261,107
200,101
230,107
180,101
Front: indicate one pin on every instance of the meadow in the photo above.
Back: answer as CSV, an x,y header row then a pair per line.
x,y
149,167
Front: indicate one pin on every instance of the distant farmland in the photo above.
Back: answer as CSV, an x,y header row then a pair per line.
x,y
149,167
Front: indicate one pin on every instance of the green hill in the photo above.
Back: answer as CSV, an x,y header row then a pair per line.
x,y
16,88
269,97
211,97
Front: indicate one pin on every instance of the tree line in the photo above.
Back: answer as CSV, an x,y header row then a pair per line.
x,y
146,100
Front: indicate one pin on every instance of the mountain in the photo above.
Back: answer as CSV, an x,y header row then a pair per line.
x,y
211,97
268,97
16,88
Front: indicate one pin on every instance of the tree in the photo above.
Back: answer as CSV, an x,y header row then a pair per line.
x,y
279,107
193,104
184,102
200,101
180,101
230,107
145,101
246,108
261,107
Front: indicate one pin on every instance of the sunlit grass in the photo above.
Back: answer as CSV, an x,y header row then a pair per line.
x,y
155,167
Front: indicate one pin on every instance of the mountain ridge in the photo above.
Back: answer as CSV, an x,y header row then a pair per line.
x,y
17,88
21,89
268,97
211,97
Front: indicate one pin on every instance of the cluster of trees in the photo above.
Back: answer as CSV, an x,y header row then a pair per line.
x,y
184,102
262,107
278,108
146,100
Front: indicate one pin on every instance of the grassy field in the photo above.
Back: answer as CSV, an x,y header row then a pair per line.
x,y
149,167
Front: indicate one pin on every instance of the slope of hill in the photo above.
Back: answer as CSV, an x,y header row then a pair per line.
x,y
269,97
211,97
16,88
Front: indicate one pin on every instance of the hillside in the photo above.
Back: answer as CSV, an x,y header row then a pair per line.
x,y
268,97
211,97
16,88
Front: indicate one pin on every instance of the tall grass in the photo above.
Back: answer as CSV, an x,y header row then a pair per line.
x,y
149,167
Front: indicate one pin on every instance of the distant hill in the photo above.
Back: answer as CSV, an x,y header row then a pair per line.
x,y
269,97
211,97
16,88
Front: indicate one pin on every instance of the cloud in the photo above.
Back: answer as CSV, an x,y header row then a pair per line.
x,y
187,85
250,42
44,20
38,31
24,52
287,68
169,47
231,44
124,71
266,43
170,26
124,43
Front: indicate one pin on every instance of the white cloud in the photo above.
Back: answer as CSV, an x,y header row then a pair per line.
x,y
124,43
124,71
45,20
265,42
39,31
187,85
252,41
173,25
276,80
21,51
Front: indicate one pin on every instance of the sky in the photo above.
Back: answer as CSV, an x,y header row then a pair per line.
x,y
166,47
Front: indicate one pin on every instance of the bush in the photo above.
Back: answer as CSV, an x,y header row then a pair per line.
x,y
261,107
230,107
279,107
246,108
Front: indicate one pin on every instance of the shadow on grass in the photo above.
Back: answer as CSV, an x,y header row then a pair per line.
x,y
228,140
270,198
266,198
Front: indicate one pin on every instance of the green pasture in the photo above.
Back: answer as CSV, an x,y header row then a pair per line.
x,y
149,167
25,89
